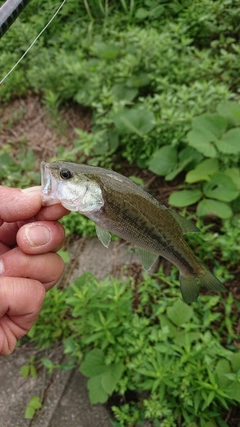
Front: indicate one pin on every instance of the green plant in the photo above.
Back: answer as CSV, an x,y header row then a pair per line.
x,y
162,346
33,405
18,172
55,321
30,369
122,71
209,162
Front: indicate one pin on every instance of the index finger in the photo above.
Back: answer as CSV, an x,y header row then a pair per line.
x,y
19,205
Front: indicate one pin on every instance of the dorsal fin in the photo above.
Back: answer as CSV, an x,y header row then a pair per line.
x,y
186,225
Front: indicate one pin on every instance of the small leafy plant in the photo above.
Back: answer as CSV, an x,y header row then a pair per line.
x,y
33,405
179,360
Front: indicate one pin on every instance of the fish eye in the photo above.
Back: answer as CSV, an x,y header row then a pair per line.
x,y
65,174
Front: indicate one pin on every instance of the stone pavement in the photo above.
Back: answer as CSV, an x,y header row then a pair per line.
x,y
64,393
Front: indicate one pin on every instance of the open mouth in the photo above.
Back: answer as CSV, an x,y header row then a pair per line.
x,y
45,179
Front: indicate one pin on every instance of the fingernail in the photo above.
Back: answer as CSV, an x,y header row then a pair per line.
x,y
35,189
37,235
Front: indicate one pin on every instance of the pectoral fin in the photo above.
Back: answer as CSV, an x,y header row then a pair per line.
x,y
147,258
103,235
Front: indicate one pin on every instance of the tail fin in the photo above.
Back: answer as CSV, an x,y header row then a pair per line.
x,y
190,287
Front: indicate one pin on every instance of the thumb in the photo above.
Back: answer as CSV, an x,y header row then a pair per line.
x,y
19,205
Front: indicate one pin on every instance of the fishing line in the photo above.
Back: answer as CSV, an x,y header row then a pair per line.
x,y
34,41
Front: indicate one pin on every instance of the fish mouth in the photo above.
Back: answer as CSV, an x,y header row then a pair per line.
x,y
46,182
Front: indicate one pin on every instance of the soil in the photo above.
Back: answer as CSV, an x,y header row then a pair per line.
x,y
27,121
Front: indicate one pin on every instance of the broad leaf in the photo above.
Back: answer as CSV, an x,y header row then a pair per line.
x,y
213,123
234,391
164,321
235,361
111,376
179,313
221,188
201,140
184,197
136,120
209,207
203,171
230,142
231,110
163,160
97,394
234,174
184,338
93,363
121,91
222,368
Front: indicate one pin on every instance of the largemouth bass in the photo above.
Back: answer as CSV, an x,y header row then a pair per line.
x,y
117,204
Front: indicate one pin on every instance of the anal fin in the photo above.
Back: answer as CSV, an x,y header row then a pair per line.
x,y
103,235
147,258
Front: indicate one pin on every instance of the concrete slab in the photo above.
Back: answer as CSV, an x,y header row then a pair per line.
x,y
89,254
74,408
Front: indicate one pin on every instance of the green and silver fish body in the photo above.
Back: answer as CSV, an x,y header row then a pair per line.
x,y
117,204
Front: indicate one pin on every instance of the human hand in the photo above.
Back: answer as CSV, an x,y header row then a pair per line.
x,y
29,266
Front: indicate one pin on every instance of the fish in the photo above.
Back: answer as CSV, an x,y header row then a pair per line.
x,y
118,205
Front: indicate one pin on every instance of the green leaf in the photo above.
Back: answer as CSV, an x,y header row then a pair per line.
x,y
47,363
141,13
184,197
230,142
231,110
203,171
163,160
6,162
33,371
221,187
29,413
179,313
138,80
136,120
212,123
235,361
209,207
184,338
111,376
166,322
25,370
234,174
64,255
35,402
201,140
97,394
187,157
93,363
122,91
222,368
234,391
106,50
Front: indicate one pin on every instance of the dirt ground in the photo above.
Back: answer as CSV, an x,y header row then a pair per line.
x,y
26,120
